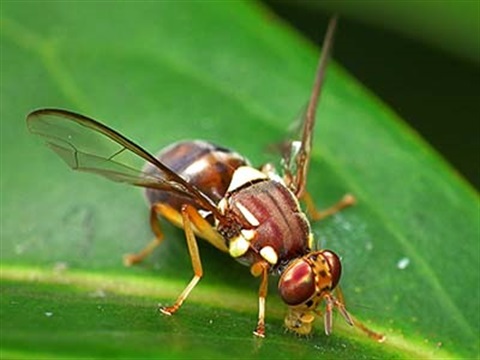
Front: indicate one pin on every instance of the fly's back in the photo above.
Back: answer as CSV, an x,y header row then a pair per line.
x,y
264,220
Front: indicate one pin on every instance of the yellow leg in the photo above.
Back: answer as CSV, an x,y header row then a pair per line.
x,y
261,269
315,215
189,215
155,210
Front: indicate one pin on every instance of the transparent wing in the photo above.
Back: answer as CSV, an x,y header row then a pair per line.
x,y
289,150
89,146
296,152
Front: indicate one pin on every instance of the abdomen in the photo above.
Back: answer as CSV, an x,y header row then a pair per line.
x,y
203,164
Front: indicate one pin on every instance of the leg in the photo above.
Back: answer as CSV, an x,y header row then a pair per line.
x,y
346,201
155,210
339,303
189,215
261,269
331,303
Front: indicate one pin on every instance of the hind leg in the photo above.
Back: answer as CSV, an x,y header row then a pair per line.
x,y
155,211
315,214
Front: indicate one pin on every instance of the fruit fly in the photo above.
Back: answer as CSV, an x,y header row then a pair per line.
x,y
214,193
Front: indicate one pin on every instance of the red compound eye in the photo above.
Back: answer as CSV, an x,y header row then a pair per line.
x,y
297,283
335,266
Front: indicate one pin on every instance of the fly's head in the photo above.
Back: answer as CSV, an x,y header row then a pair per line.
x,y
304,284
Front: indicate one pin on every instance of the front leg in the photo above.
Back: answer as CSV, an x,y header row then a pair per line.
x,y
339,303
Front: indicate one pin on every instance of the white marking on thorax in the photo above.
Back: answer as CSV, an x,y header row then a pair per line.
x,y
252,220
238,246
269,254
244,175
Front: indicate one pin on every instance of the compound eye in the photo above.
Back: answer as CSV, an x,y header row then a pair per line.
x,y
335,266
297,283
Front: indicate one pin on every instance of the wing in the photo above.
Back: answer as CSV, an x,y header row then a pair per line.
x,y
296,153
89,146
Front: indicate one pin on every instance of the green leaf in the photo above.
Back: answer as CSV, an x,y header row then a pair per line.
x,y
230,73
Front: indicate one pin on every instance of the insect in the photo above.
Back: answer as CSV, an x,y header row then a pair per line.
x,y
214,193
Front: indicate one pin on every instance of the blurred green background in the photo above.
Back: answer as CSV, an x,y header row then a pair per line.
x,y
422,58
